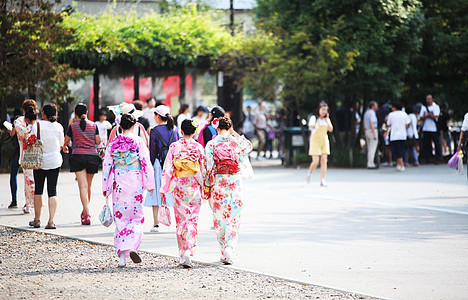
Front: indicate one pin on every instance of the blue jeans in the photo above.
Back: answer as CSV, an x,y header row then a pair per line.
x,y
14,168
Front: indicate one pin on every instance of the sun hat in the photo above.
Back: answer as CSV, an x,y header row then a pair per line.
x,y
161,110
129,108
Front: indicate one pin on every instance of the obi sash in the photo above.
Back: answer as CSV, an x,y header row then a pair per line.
x,y
227,167
127,160
186,167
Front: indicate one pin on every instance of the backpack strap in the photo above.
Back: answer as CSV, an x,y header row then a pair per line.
x,y
38,130
212,130
160,137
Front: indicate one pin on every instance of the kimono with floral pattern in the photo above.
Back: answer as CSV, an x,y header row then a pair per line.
x,y
222,156
183,173
127,172
23,131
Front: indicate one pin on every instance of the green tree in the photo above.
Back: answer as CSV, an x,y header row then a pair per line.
x,y
30,36
440,65
383,33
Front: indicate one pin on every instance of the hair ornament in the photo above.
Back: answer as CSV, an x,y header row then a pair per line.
x,y
215,123
195,124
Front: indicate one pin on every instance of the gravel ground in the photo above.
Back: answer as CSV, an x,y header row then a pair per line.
x,y
37,265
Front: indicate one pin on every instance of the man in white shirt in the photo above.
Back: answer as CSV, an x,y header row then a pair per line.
x,y
397,123
371,133
429,115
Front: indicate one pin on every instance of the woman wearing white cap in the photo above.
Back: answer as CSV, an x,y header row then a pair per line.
x,y
161,137
139,130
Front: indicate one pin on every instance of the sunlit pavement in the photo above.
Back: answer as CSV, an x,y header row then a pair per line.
x,y
377,232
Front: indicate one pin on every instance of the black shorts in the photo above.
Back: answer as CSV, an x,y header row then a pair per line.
x,y
39,180
398,147
90,162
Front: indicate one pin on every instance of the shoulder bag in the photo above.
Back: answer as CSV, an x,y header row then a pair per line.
x,y
33,157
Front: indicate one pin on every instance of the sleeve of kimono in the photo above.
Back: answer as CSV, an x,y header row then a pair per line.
x,y
147,170
209,157
108,172
244,146
21,128
202,162
168,170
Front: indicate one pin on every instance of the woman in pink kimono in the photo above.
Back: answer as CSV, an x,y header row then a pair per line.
x,y
183,173
224,169
22,127
127,172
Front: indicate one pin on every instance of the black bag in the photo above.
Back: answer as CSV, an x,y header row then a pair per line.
x,y
165,148
9,147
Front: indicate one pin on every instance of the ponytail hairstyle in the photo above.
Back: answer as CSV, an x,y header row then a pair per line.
x,y
30,114
50,111
170,121
80,111
224,123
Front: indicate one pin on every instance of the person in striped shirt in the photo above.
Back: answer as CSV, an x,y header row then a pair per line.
x,y
84,158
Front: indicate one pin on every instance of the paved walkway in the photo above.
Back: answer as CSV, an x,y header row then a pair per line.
x,y
376,232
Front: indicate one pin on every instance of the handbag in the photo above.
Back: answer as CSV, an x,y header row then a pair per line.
x,y
246,168
33,157
105,216
456,162
164,215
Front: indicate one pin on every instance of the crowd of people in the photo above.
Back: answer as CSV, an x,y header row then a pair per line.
x,y
407,136
183,166
180,167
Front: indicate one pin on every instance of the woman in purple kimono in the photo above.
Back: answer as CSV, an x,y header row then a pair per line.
x,y
126,174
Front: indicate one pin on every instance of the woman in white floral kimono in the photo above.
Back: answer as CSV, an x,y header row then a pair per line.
x,y
23,128
126,173
224,169
183,173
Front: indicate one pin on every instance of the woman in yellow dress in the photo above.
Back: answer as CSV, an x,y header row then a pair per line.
x,y
319,146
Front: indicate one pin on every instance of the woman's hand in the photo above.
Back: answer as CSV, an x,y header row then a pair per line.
x,y
65,149
151,192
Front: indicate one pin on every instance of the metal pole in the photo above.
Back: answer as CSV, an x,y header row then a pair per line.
x,y
231,9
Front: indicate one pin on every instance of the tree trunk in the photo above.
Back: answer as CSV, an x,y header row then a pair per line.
x,y
136,85
182,85
303,129
96,89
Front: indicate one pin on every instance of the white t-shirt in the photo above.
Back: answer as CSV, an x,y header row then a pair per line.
x,y
397,121
412,130
313,120
150,116
429,124
465,123
52,137
102,128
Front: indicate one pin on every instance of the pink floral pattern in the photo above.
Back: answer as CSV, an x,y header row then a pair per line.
x,y
226,190
187,192
22,131
126,185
